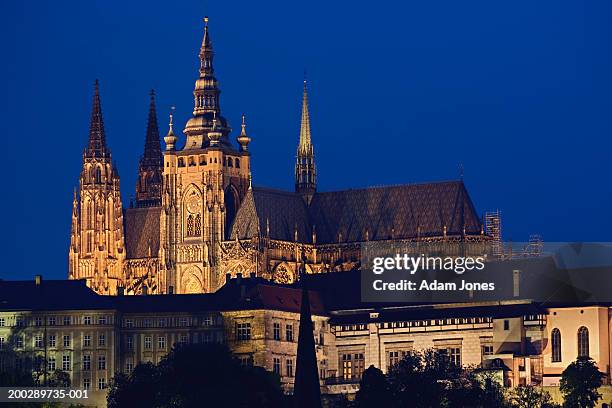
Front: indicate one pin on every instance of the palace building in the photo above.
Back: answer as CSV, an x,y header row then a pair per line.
x,y
197,215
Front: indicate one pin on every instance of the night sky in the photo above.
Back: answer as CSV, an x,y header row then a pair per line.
x,y
519,93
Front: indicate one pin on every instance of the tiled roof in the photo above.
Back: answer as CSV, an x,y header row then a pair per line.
x,y
141,232
282,211
50,295
393,212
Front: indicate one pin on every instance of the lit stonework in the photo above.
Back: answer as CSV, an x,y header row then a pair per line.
x,y
197,216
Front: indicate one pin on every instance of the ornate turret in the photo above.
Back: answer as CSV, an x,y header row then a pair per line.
x,y
206,102
150,167
170,138
305,169
242,139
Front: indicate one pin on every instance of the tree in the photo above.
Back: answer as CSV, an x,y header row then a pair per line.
x,y
528,396
373,390
196,374
580,382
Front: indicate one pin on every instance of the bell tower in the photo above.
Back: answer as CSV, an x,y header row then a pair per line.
x,y
97,248
204,183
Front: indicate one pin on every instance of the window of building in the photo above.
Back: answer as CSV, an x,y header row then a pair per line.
x,y
52,321
19,342
347,366
208,320
2,322
506,324
486,350
183,339
129,342
101,383
246,360
102,320
182,322
37,321
129,323
101,340
243,331
394,357
453,354
276,331
289,367
66,320
148,342
87,320
129,365
20,321
555,340
86,340
51,340
66,362
276,366
162,323
161,342
38,341
66,341
237,162
101,362
2,341
86,363
51,364
289,332
583,342
86,383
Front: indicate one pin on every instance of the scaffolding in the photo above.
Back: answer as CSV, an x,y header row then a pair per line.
x,y
493,230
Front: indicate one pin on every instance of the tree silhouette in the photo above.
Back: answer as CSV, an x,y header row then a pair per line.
x,y
580,382
196,375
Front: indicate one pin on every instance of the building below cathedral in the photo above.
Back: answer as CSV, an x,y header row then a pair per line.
x,y
197,217
69,327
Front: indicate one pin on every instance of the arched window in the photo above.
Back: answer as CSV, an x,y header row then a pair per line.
x,y
190,225
237,162
98,175
583,342
230,162
555,339
198,225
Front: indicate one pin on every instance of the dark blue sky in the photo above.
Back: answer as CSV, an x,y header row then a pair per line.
x,y
519,92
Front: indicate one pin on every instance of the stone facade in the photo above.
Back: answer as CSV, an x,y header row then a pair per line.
x,y
197,217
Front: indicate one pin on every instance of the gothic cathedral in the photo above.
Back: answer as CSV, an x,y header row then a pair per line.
x,y
197,219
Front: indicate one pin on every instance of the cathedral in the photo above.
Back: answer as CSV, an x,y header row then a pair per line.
x,y
198,220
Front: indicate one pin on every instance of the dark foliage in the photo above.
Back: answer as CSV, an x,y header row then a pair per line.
x,y
196,375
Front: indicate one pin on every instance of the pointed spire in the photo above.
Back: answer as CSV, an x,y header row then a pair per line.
x,y
150,167
97,138
206,53
307,391
152,149
305,146
305,169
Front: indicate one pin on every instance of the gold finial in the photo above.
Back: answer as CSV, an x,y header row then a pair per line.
x,y
172,108
206,21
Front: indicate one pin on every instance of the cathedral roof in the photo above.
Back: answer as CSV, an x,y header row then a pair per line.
x,y
142,232
376,213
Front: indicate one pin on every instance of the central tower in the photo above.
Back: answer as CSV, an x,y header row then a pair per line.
x,y
204,183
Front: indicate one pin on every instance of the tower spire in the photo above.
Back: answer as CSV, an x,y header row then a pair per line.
x,y
97,139
307,391
150,167
305,169
206,101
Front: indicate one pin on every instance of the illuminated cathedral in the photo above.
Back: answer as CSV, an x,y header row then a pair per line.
x,y
197,219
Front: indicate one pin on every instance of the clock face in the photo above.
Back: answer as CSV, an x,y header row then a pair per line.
x,y
194,204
